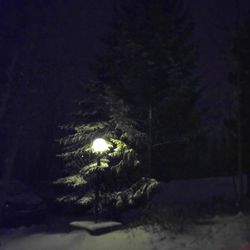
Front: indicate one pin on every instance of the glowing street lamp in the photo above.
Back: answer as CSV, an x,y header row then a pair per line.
x,y
99,146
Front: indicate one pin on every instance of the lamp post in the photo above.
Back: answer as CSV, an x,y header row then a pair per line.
x,y
99,146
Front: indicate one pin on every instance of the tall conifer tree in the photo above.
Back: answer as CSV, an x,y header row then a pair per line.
x,y
113,180
240,79
150,61
144,98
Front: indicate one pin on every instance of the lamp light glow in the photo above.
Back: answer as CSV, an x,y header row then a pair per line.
x,y
99,145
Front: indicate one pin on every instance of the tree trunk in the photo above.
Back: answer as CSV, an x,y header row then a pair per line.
x,y
240,167
239,121
7,172
4,102
6,96
9,162
149,153
248,184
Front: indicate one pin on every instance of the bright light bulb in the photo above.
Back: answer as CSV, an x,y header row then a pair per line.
x,y
100,145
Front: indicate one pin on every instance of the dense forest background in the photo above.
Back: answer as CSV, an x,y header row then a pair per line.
x,y
43,74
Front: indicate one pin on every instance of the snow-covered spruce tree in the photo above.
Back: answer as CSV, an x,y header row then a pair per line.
x,y
116,179
240,119
150,61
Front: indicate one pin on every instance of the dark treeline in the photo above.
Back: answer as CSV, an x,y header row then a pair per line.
x,y
43,65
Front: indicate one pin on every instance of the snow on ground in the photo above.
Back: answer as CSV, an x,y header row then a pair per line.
x,y
219,233
75,240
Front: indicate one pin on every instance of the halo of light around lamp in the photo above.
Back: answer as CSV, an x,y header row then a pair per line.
x,y
99,145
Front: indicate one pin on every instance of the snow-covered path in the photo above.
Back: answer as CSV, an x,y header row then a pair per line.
x,y
228,233
219,233
75,240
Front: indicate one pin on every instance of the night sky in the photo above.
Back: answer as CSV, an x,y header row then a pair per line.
x,y
215,23
71,54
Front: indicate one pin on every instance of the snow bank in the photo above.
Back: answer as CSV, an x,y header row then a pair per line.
x,y
228,233
137,239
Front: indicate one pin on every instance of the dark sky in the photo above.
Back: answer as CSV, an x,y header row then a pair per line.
x,y
214,20
215,23
83,28
214,27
